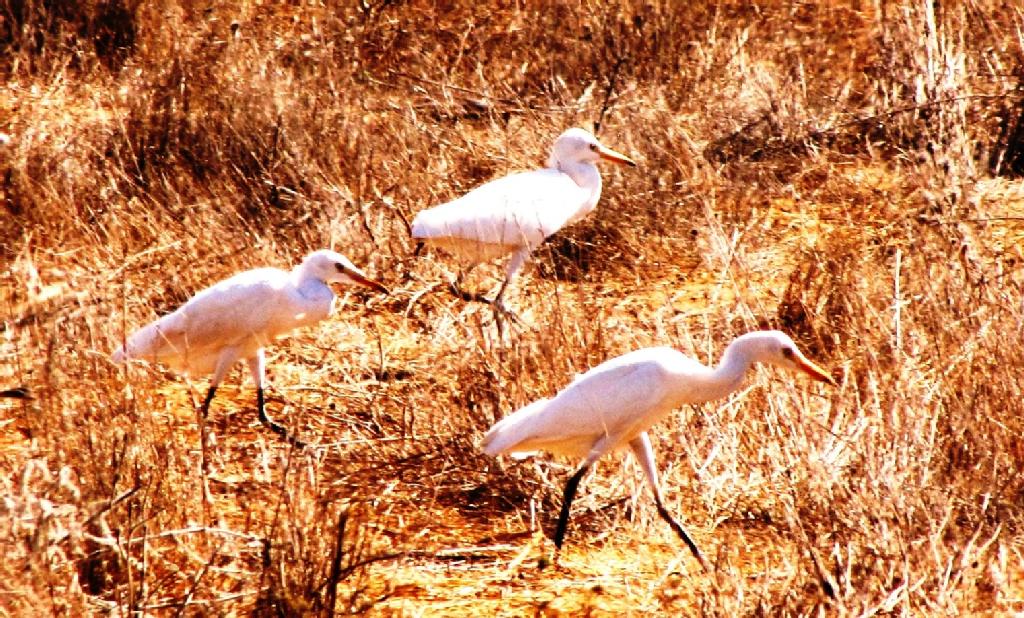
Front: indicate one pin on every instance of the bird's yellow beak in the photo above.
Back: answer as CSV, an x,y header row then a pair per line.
x,y
814,371
610,155
360,278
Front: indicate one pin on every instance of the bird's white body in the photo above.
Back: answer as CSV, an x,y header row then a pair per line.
x,y
515,213
615,403
237,317
245,313
508,214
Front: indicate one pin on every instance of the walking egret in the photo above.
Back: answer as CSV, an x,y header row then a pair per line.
x,y
515,213
238,317
615,403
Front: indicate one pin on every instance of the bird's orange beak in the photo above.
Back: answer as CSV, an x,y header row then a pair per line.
x,y
814,371
610,155
362,279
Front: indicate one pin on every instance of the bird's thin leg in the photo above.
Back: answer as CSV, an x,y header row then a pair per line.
x,y
227,358
497,303
257,367
204,457
641,446
567,496
501,311
204,411
596,451
514,266
406,270
274,426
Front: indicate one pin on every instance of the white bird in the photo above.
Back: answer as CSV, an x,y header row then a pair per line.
x,y
615,403
236,318
515,213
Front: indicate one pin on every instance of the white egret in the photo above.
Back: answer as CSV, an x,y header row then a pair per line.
x,y
236,318
615,403
515,213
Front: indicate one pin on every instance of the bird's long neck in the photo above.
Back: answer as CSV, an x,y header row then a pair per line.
x,y
309,285
586,176
727,376
583,173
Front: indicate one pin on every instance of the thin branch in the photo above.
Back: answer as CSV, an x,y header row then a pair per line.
x,y
200,602
101,510
198,578
194,530
608,92
914,108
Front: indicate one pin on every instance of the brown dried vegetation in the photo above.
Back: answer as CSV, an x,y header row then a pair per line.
x,y
848,172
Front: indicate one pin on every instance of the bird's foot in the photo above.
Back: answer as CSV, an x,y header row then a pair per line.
x,y
280,430
550,559
503,313
502,309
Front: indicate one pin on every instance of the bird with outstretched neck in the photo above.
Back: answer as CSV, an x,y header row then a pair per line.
x,y
614,404
238,317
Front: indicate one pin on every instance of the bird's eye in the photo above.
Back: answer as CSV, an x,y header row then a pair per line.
x,y
593,147
338,266
787,352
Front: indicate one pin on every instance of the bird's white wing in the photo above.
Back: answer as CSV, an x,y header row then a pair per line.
x,y
517,210
618,398
227,313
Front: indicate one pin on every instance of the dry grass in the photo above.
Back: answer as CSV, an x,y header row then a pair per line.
x,y
848,172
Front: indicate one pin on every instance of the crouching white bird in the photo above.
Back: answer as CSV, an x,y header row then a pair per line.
x,y
614,404
513,215
238,317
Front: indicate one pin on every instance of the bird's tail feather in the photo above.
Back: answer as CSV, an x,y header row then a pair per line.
x,y
145,342
506,434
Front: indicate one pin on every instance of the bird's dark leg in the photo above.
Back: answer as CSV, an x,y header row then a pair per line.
x,y
204,413
204,463
641,446
274,426
500,310
419,248
567,496
515,264
257,367
681,532
497,304
205,409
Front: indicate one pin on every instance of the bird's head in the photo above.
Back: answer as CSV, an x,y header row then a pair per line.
x,y
580,146
777,348
331,267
